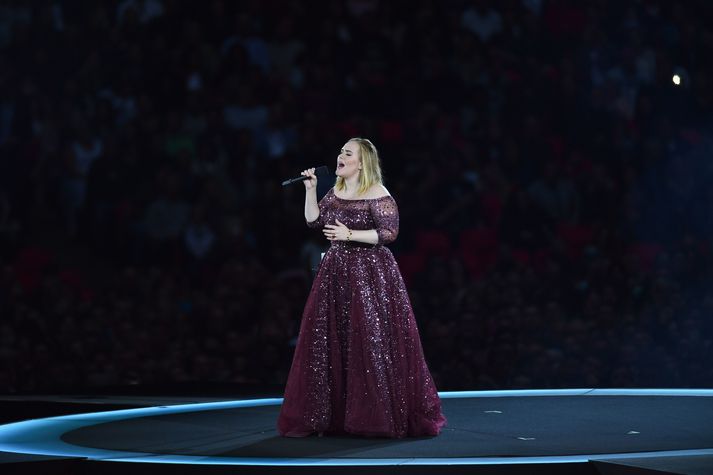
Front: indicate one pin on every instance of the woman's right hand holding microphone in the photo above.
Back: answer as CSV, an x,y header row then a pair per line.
x,y
312,181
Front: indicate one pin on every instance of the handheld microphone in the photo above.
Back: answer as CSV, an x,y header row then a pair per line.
x,y
319,172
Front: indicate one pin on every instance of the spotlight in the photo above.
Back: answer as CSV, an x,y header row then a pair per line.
x,y
680,77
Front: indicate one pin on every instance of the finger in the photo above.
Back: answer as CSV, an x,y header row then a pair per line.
x,y
339,222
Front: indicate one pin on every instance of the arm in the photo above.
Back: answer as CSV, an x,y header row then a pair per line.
x,y
368,236
339,232
312,211
386,215
312,214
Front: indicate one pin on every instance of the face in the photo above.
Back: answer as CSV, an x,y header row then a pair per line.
x,y
348,160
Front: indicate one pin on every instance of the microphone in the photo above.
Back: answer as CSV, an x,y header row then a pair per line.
x,y
319,172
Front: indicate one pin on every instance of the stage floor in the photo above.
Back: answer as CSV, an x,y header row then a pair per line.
x,y
485,428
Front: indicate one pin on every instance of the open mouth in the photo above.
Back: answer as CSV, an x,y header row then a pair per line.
x,y
340,165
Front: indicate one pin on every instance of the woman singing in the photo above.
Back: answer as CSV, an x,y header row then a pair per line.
x,y
358,367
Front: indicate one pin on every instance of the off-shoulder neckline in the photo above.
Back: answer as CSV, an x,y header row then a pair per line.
x,y
358,199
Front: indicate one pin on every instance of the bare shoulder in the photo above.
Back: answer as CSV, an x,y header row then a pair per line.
x,y
377,191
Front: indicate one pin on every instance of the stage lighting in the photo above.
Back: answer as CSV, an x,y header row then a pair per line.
x,y
680,77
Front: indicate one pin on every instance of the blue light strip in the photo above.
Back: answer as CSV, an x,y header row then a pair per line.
x,y
577,392
43,436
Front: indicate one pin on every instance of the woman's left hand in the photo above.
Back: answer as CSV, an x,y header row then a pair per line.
x,y
336,232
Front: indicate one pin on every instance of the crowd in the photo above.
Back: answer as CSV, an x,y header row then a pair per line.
x,y
552,176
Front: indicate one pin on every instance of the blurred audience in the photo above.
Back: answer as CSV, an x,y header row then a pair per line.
x,y
553,183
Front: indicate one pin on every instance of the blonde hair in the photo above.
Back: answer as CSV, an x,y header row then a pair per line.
x,y
370,167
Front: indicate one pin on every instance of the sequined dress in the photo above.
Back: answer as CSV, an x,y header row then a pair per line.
x,y
358,367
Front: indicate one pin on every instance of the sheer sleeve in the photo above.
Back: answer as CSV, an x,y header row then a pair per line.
x,y
386,216
319,222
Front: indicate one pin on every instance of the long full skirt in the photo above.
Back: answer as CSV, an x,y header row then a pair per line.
x,y
358,366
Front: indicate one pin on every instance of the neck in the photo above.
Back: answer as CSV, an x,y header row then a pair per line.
x,y
351,184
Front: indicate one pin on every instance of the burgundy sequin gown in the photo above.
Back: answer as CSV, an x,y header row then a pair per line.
x,y
358,367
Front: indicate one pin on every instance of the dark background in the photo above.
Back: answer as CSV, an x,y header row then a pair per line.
x,y
554,186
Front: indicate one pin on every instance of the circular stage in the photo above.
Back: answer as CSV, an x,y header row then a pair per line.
x,y
484,428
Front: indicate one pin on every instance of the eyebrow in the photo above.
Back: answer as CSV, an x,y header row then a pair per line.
x,y
346,150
